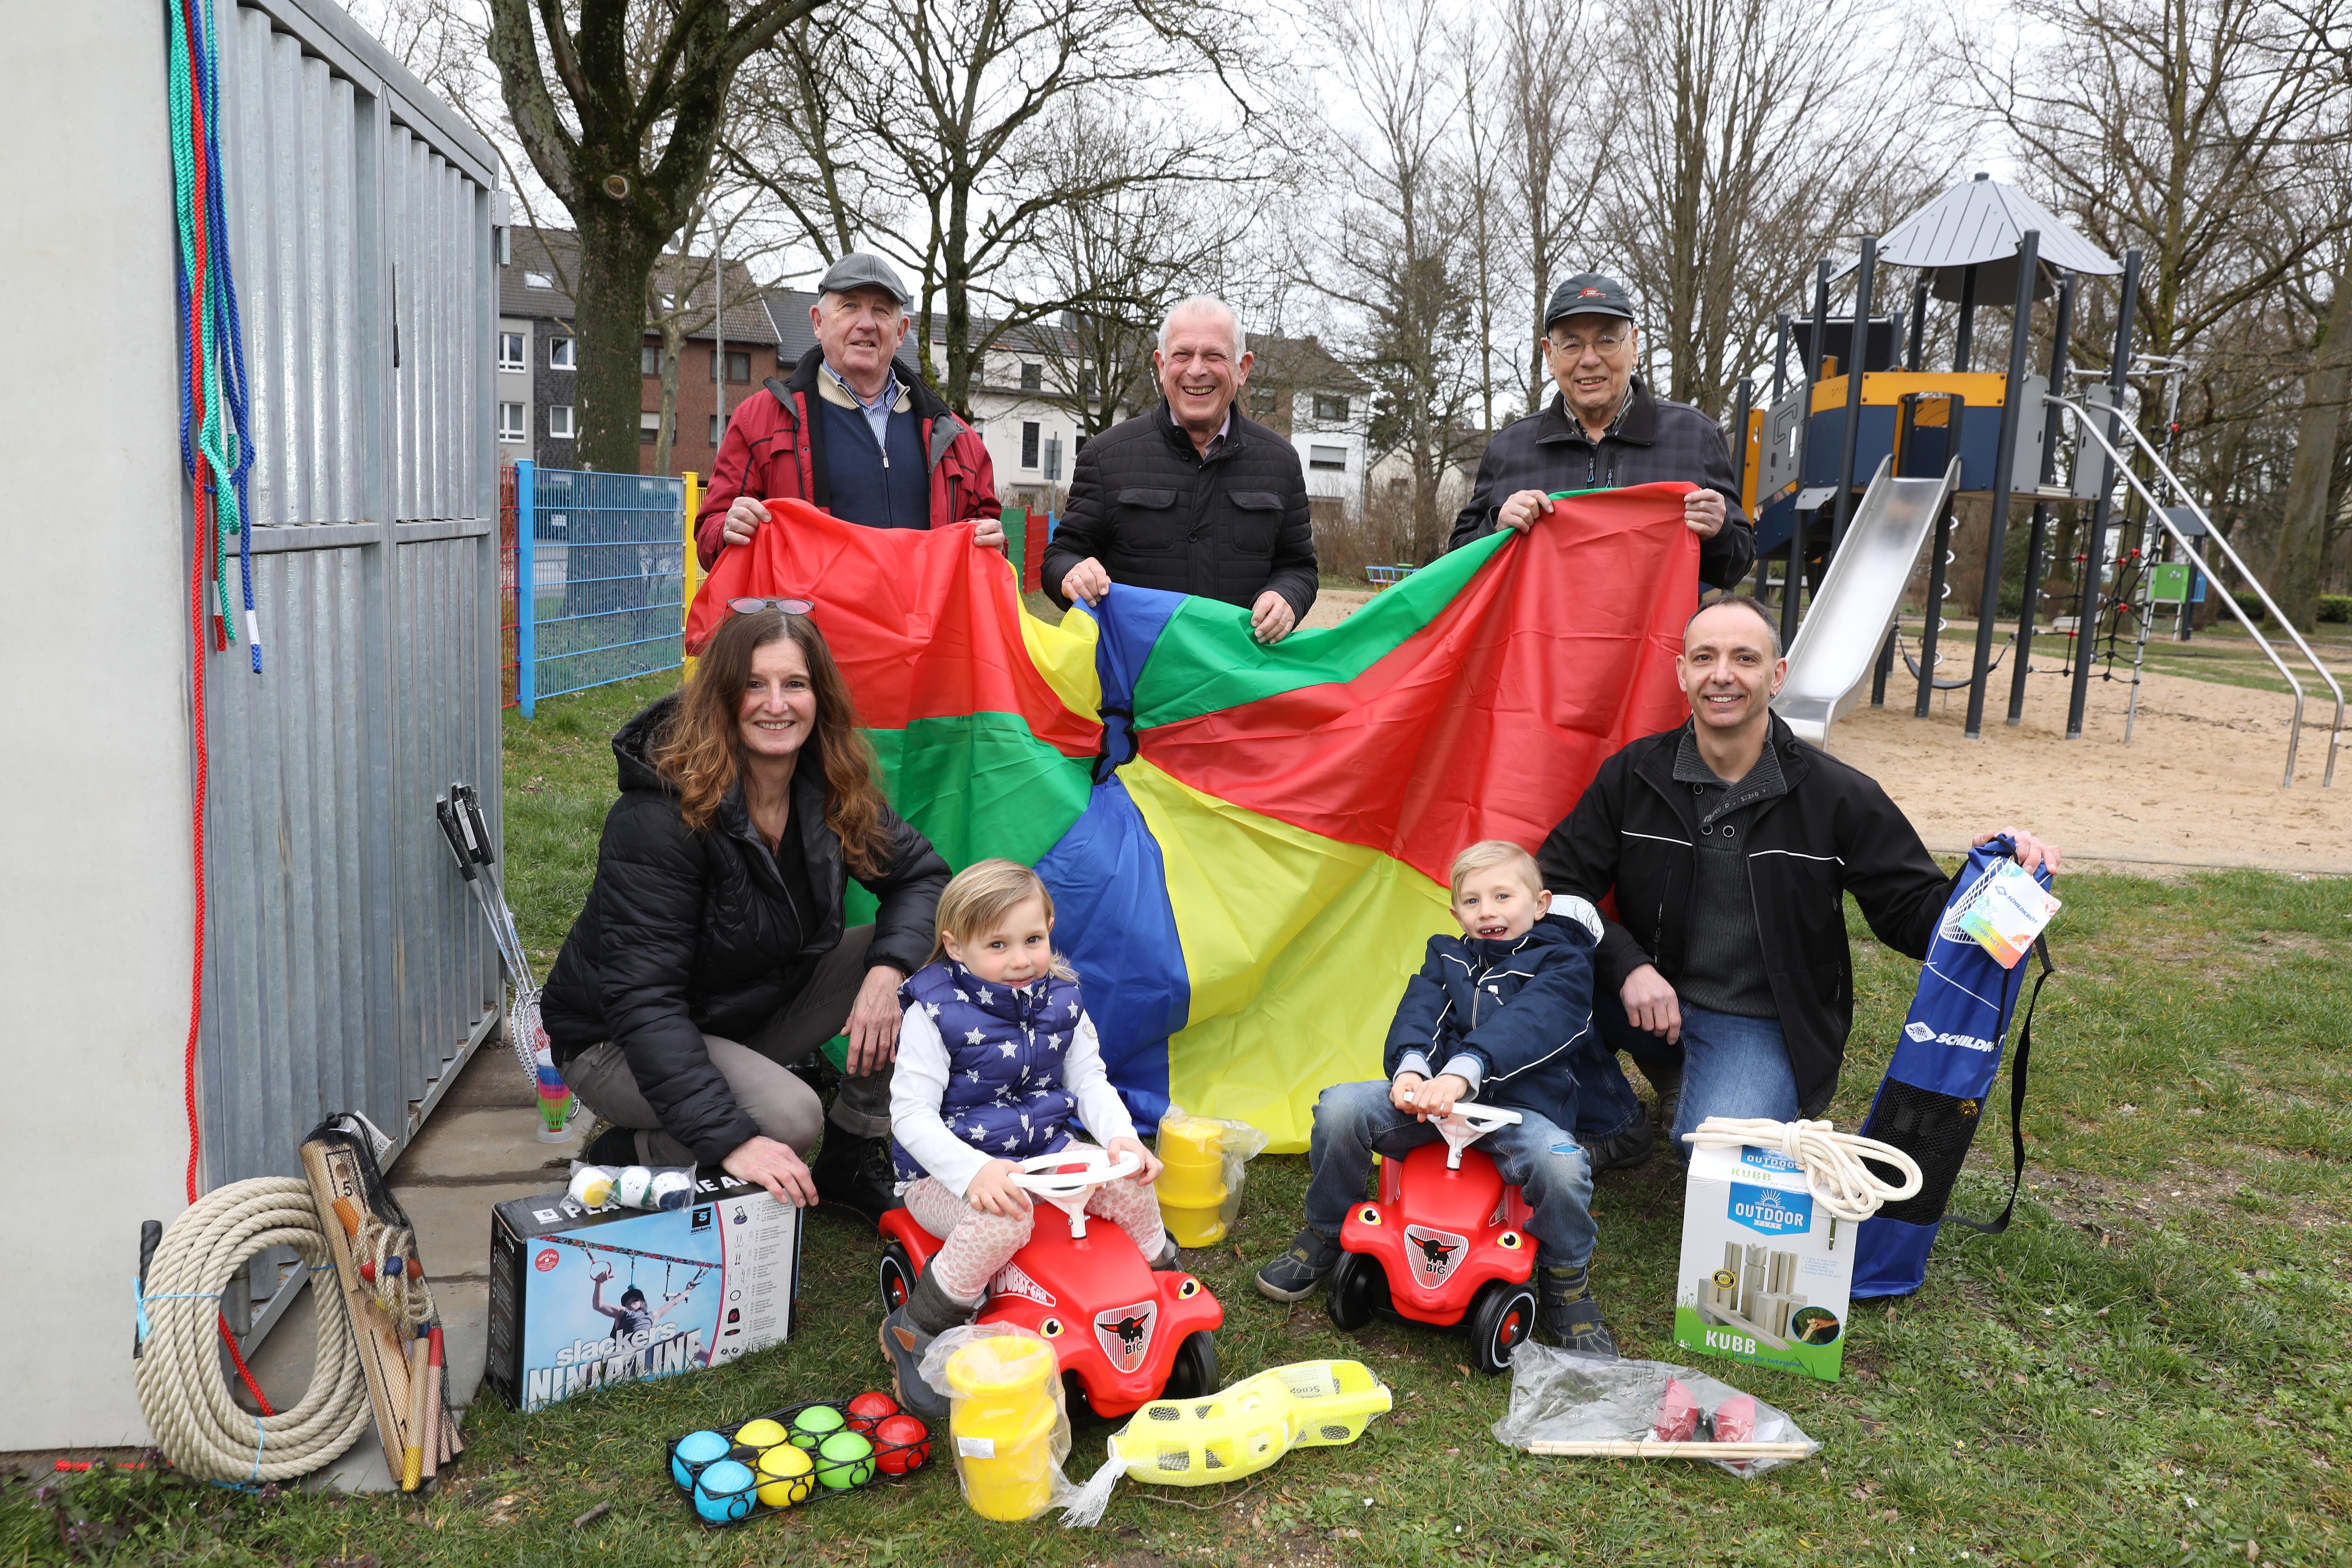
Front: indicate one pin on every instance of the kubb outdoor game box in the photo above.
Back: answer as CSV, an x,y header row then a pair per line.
x,y
580,1298
1765,1272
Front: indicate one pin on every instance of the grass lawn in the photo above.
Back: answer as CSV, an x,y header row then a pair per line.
x,y
2150,1366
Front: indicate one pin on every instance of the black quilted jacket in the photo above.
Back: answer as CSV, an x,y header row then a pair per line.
x,y
690,933
1144,504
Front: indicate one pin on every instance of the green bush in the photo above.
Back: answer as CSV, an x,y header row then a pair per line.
x,y
2335,606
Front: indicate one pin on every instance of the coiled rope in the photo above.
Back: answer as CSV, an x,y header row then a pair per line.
x,y
204,1432
1831,1160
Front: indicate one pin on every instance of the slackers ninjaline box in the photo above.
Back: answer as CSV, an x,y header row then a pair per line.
x,y
580,1298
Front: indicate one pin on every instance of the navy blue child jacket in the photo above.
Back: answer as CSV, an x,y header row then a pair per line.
x,y
1503,1013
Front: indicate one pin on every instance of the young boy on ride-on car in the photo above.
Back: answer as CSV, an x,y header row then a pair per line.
x,y
1490,1018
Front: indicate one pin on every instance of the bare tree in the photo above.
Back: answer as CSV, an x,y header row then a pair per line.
x,y
1556,154
618,107
1394,260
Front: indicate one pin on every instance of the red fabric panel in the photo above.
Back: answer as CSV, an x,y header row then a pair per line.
x,y
917,635
1033,550
1489,721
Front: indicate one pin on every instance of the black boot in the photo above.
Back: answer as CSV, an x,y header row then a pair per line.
x,y
1627,1150
907,1334
853,1174
613,1148
1566,1310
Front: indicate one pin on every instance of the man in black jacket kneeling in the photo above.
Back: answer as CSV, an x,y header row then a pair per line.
x,y
1191,497
1730,846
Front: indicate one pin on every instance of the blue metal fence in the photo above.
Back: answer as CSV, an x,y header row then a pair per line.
x,y
600,564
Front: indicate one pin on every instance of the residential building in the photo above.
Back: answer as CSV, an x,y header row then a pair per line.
x,y
538,415
1297,388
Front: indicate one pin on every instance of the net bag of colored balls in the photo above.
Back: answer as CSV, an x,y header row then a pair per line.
x,y
656,1187
1006,1424
794,1455
1201,1187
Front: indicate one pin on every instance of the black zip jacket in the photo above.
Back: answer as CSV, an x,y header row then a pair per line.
x,y
690,933
1514,1009
1145,504
1834,833
1652,440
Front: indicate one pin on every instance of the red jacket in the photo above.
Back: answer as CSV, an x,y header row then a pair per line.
x,y
774,451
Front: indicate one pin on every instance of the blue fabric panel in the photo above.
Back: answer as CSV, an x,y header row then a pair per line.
x,y
1131,620
1112,921
1890,1256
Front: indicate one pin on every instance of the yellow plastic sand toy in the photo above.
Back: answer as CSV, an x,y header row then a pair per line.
x,y
1237,1433
1003,1417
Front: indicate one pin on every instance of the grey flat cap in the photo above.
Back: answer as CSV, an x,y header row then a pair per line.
x,y
864,269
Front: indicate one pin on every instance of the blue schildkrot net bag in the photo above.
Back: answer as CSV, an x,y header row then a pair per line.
x,y
1935,1090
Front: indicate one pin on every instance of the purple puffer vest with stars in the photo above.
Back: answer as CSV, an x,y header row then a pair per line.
x,y
1006,1046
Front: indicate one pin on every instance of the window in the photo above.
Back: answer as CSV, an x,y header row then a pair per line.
x,y
1261,400
1329,408
559,422
563,353
648,428
1333,459
539,280
649,361
510,425
738,365
1032,376
718,429
510,351
1029,443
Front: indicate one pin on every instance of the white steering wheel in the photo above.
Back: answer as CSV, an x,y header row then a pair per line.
x,y
1469,1123
1068,1190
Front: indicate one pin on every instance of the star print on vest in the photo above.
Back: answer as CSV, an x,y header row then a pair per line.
x,y
1006,1048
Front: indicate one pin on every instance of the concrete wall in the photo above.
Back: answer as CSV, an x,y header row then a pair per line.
x,y
94,804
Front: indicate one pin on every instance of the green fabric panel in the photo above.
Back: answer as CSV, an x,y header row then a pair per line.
x,y
976,786
1206,659
1016,536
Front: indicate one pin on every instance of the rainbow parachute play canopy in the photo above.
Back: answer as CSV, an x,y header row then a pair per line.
x,y
1248,846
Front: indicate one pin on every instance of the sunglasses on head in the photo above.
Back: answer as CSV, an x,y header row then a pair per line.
x,y
754,607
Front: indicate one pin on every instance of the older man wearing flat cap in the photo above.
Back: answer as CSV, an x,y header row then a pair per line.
x,y
1606,429
853,430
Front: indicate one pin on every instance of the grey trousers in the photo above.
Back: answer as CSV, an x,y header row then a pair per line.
x,y
784,1108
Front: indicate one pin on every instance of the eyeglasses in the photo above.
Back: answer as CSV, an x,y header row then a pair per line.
x,y
1603,342
754,607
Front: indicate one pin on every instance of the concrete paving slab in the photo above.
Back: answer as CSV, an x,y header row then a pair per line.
x,y
453,1221
490,1076
485,1143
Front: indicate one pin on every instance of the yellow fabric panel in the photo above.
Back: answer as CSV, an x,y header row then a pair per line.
x,y
1064,656
1297,948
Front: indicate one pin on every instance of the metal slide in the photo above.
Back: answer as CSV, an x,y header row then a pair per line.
x,y
1855,606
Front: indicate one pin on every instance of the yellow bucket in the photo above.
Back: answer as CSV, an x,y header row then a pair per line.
x,y
1192,1187
1002,1421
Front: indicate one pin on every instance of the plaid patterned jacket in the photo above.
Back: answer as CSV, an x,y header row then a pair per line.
x,y
1653,439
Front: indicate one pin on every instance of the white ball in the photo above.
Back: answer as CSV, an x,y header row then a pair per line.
x,y
592,1187
672,1189
636,1185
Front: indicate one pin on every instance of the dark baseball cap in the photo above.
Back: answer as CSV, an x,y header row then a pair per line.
x,y
864,269
1588,294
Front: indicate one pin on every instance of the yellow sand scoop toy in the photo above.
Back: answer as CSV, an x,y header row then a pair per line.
x,y
1237,1433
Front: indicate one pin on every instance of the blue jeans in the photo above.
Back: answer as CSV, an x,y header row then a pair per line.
x,y
1731,1066
1353,1120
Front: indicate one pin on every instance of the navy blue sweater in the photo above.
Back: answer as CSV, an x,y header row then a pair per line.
x,y
1512,1008
866,488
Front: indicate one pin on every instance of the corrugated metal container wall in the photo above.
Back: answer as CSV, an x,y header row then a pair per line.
x,y
347,967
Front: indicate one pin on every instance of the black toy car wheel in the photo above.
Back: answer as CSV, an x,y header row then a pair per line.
x,y
1193,1373
1358,1288
896,1274
1500,1321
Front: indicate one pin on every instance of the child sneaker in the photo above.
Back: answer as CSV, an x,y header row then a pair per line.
x,y
1566,1310
1294,1276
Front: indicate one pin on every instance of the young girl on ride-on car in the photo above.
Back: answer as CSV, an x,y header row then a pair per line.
x,y
996,1060
1490,1018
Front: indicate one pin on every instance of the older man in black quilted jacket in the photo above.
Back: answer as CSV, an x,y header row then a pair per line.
x,y
1607,430
1191,497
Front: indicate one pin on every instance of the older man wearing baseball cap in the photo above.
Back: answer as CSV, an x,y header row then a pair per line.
x,y
1606,429
853,430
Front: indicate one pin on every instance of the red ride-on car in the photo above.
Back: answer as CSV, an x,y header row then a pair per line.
x,y
1123,1334
1445,1243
